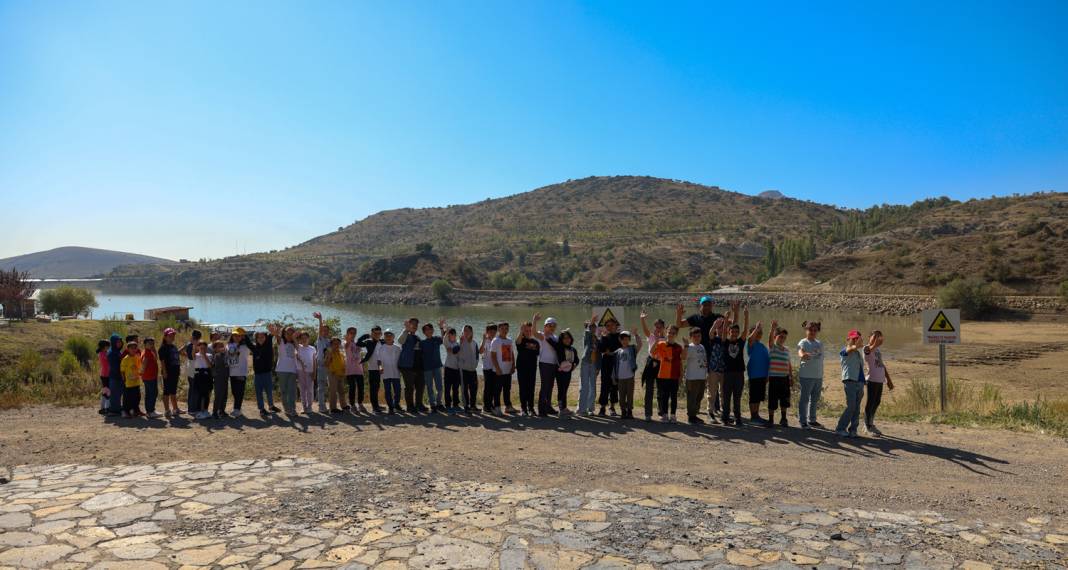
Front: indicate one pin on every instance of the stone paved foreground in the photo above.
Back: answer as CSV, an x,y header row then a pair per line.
x,y
303,513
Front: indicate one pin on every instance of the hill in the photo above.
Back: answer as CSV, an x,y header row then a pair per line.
x,y
75,262
652,233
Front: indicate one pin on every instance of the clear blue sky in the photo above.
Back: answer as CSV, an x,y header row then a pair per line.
x,y
190,129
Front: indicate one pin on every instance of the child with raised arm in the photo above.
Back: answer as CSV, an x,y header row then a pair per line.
x,y
878,376
734,366
569,359
430,348
780,375
306,357
369,343
716,366
669,353
852,357
200,392
453,377
548,364
526,366
353,371
652,365
589,366
322,376
809,375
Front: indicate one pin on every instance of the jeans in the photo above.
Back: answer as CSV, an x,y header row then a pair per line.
x,y
432,379
649,374
875,397
221,390
626,394
413,388
264,385
287,384
151,393
322,383
733,383
393,393
545,393
695,392
715,379
809,399
190,394
355,382
470,388
336,391
527,379
374,379
609,389
115,387
489,391
850,420
504,389
563,382
587,386
667,395
237,390
452,387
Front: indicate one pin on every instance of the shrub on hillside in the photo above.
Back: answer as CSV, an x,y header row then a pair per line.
x,y
68,363
81,349
599,287
441,289
972,296
1064,291
28,364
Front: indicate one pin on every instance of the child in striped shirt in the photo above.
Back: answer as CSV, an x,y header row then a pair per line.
x,y
780,374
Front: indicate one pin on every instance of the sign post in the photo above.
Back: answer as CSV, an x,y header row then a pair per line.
x,y
941,327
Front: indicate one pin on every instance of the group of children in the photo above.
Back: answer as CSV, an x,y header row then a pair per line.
x,y
721,351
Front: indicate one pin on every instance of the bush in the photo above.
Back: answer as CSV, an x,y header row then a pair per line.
x,y
80,348
68,363
599,287
1063,291
28,364
972,296
441,288
67,300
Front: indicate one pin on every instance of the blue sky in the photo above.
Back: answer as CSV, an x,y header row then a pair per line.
x,y
200,129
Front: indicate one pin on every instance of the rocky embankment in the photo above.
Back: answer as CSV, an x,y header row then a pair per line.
x,y
802,301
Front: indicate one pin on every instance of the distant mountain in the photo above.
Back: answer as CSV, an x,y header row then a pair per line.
x,y
654,233
75,262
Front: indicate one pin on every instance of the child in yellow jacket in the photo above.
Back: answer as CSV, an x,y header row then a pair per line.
x,y
335,369
131,376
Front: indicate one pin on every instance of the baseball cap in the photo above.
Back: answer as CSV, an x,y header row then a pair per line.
x,y
168,331
705,299
854,333
550,321
239,330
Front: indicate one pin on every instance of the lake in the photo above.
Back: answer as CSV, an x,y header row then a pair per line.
x,y
902,333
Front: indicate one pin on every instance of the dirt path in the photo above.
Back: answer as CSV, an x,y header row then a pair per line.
x,y
960,472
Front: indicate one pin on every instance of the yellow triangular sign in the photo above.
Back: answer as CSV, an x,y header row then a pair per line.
x,y
941,324
606,316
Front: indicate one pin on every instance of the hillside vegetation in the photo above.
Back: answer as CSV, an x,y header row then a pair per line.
x,y
642,232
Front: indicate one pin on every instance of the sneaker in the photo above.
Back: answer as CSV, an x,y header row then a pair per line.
x,y
155,415
215,415
236,412
126,415
664,418
203,415
361,408
511,410
696,420
552,412
612,412
497,412
841,433
728,422
178,412
784,422
806,426
738,421
602,413
756,419
322,409
713,420
274,409
853,434
335,411
815,424
346,408
102,411
223,414
263,412
648,417
673,419
874,430
167,414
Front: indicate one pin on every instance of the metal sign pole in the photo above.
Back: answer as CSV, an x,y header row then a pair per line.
x,y
942,374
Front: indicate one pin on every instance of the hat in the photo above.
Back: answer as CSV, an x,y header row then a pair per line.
x,y
705,299
239,330
115,337
854,333
625,333
550,321
387,331
168,331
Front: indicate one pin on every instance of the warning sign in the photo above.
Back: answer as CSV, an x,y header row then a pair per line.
x,y
941,326
608,313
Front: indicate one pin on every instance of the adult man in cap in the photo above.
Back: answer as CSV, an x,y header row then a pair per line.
x,y
703,320
548,362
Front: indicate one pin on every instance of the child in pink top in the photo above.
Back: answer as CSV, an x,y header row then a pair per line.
x,y
105,371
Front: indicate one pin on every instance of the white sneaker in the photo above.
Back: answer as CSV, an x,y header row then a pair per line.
x,y
203,415
236,413
153,415
663,417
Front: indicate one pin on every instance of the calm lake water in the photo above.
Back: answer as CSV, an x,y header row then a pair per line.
x,y
902,333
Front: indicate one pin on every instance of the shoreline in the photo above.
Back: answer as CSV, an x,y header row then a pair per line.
x,y
872,303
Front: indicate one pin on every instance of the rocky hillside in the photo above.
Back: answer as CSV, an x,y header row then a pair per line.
x,y
652,233
75,262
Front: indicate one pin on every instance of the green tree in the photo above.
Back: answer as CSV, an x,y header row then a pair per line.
x,y
441,288
67,300
972,296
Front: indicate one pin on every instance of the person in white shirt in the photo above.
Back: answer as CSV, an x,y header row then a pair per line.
x,y
387,357
237,356
696,358
502,356
548,363
306,364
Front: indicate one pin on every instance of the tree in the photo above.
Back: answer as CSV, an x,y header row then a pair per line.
x,y
1064,291
67,300
441,288
972,296
15,287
